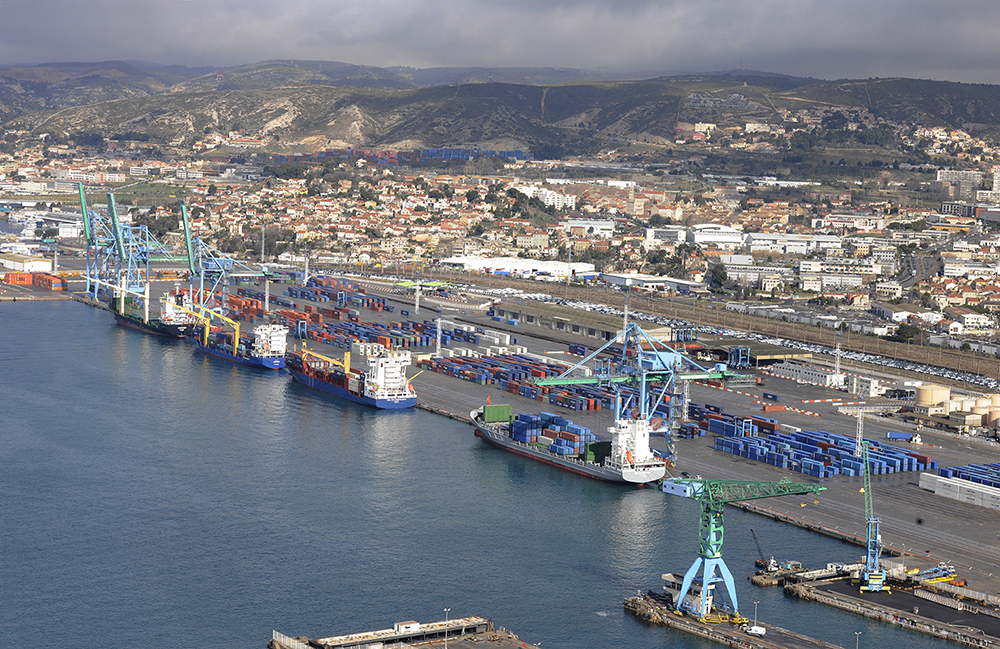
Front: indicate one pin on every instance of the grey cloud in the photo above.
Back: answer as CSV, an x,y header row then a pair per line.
x,y
830,39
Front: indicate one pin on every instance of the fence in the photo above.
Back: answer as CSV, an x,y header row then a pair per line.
x,y
286,642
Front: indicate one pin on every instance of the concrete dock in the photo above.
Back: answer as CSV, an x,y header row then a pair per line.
x,y
976,627
648,609
461,633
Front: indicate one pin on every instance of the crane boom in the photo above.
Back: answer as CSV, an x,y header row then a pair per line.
x,y
727,491
344,364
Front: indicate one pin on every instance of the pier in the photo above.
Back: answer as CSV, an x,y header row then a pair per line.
x,y
649,610
936,615
461,633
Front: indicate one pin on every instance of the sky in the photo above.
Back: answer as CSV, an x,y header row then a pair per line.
x,y
828,39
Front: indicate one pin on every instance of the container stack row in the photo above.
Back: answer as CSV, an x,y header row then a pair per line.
x,y
974,493
816,453
560,435
48,281
510,372
984,474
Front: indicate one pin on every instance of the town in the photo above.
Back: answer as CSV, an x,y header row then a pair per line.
x,y
905,250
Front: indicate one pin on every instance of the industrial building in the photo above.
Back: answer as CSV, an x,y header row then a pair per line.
x,y
808,374
520,267
568,320
25,263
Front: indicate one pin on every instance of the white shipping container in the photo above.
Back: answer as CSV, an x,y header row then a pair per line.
x,y
928,481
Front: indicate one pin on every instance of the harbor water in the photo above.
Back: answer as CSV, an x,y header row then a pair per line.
x,y
156,497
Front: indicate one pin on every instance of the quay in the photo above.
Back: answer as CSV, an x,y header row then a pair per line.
x,y
461,633
971,623
651,611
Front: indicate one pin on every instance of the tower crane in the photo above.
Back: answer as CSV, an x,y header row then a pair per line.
x,y
873,576
713,495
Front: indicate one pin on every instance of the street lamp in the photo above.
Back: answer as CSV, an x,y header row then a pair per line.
x,y
755,612
446,611
857,639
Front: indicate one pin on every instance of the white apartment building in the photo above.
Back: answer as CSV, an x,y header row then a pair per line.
x,y
602,228
790,244
715,235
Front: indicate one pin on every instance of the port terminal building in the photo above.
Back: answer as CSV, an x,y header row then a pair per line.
x,y
571,321
808,374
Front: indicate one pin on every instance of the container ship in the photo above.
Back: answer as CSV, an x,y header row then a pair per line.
x,y
265,349
556,441
383,385
169,322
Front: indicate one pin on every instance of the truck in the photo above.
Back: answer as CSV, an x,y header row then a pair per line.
x,y
756,630
903,437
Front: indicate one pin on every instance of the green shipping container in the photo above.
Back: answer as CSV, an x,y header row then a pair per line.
x,y
498,413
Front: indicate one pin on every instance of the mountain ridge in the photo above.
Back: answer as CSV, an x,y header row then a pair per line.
x,y
329,103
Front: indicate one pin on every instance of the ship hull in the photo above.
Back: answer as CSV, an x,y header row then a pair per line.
x,y
500,439
154,327
343,393
265,362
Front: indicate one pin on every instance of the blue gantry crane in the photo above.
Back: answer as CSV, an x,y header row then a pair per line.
x,y
211,271
118,255
873,576
644,373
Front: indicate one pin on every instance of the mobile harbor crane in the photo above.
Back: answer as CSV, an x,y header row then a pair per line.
x,y
713,495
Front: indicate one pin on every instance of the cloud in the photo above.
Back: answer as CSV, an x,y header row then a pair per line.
x,y
828,38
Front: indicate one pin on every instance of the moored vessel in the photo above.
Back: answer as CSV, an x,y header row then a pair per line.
x,y
265,349
552,440
169,322
383,385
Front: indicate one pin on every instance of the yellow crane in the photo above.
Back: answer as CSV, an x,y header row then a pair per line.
x,y
206,316
344,364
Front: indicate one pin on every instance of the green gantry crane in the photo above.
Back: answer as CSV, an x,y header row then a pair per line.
x,y
713,496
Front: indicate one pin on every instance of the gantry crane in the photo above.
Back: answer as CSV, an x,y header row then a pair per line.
x,y
652,369
873,576
118,255
210,268
713,495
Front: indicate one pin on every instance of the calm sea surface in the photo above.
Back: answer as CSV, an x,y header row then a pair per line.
x,y
154,497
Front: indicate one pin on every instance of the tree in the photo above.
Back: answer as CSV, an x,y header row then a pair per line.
x,y
472,196
905,333
719,275
212,189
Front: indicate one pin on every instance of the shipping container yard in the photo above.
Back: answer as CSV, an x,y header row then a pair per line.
x,y
485,357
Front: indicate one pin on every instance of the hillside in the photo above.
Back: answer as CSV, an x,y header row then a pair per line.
x,y
488,115
932,103
323,103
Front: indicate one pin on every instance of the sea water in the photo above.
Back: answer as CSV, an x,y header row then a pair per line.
x,y
153,496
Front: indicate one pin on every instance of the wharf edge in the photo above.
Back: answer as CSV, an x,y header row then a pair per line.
x,y
894,616
647,610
